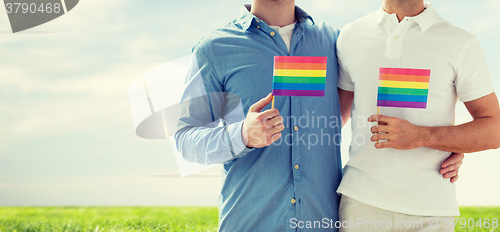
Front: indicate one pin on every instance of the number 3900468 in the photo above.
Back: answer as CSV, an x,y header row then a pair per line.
x,y
27,8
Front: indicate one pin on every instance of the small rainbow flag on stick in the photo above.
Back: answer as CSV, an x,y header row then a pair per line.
x,y
403,88
299,76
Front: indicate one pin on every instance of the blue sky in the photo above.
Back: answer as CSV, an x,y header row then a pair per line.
x,y
67,136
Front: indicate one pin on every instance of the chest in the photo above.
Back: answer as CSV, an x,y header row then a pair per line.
x,y
247,70
377,50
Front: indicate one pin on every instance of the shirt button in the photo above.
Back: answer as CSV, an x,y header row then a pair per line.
x,y
258,27
296,128
296,166
395,37
257,20
293,201
272,33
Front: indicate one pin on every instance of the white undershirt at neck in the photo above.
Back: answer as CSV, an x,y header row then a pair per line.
x,y
285,33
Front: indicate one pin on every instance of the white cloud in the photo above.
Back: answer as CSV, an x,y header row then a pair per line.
x,y
111,83
45,107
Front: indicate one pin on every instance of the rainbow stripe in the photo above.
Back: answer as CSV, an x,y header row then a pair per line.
x,y
299,76
403,88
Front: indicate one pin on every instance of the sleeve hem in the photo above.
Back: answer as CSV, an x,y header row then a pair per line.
x,y
477,94
345,86
239,149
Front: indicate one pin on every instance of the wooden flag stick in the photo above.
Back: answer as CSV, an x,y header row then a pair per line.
x,y
272,104
378,113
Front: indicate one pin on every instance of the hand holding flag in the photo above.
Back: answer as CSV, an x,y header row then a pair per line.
x,y
261,129
400,88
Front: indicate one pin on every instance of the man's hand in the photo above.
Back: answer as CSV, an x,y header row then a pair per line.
x,y
261,129
399,133
451,166
403,135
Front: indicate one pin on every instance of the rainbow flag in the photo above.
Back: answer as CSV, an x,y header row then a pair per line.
x,y
299,76
404,88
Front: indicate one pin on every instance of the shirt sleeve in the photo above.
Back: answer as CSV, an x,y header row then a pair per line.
x,y
345,82
472,75
210,122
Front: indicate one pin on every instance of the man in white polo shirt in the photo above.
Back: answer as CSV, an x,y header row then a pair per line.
x,y
425,64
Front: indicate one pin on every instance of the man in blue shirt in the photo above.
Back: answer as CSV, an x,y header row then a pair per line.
x,y
282,186
281,166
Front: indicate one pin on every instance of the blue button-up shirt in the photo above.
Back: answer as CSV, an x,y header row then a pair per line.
x,y
292,183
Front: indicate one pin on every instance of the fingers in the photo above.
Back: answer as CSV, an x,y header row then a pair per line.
x,y
373,118
383,145
451,174
269,114
386,119
451,168
380,128
453,159
276,136
382,119
378,137
274,121
271,138
258,106
276,129
267,119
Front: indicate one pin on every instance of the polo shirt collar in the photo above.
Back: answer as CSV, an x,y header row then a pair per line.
x,y
379,15
425,19
246,18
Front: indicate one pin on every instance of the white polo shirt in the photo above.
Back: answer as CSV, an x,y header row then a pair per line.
x,y
406,181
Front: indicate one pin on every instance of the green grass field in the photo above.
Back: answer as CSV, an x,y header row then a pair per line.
x,y
55,219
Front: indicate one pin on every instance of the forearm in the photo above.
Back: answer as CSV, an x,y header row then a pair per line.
x,y
211,145
478,135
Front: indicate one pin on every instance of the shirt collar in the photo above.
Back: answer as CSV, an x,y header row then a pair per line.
x,y
379,15
425,19
246,18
